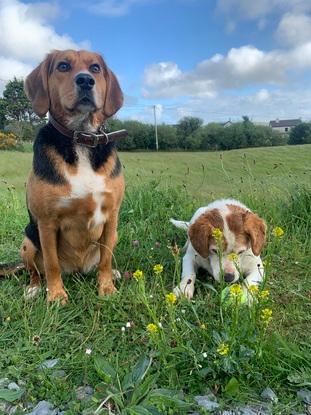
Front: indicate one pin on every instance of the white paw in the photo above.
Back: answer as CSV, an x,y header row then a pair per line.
x,y
116,274
31,292
186,288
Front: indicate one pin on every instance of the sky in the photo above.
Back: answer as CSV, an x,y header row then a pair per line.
x,y
213,59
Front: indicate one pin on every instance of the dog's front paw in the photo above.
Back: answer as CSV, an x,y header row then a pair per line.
x,y
106,288
56,293
186,288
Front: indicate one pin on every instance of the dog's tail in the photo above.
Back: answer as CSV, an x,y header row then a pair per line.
x,y
180,224
11,268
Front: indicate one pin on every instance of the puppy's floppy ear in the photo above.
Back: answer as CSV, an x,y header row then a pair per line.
x,y
37,88
114,96
255,227
200,233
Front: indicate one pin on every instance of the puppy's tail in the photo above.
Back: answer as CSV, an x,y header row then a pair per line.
x,y
180,224
11,268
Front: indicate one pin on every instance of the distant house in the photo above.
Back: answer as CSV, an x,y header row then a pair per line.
x,y
226,124
284,126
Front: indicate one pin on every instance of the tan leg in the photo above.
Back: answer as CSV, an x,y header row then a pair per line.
x,y
29,254
107,244
55,288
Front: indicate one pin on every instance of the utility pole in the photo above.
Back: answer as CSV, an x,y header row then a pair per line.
x,y
156,127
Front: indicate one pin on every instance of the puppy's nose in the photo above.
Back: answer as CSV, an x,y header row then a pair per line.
x,y
229,277
85,81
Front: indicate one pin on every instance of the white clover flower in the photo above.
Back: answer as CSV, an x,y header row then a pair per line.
x,y
88,351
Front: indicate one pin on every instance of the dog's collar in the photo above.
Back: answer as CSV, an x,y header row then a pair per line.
x,y
89,139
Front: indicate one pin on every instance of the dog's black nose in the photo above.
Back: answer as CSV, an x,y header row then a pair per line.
x,y
229,277
85,81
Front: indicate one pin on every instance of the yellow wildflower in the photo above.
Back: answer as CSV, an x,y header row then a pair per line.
x,y
152,328
278,232
171,298
233,257
223,349
266,315
254,290
264,294
236,290
158,269
203,326
138,275
217,234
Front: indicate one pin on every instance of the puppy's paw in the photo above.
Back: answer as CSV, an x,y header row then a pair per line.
x,y
186,288
57,294
32,291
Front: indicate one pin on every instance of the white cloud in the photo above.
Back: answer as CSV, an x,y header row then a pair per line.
x,y
241,67
294,29
27,36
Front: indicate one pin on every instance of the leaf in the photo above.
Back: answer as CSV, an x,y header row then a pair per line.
x,y
141,368
232,387
138,410
141,391
168,398
209,286
11,395
104,369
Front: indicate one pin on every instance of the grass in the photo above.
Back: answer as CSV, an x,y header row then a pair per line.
x,y
182,356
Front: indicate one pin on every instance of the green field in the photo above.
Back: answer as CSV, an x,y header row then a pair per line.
x,y
206,175
182,357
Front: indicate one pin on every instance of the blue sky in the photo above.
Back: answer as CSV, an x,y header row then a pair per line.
x,y
216,59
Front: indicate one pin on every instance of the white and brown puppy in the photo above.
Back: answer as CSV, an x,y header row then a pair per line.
x,y
243,234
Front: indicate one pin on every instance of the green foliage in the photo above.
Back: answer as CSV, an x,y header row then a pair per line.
x,y
17,105
301,134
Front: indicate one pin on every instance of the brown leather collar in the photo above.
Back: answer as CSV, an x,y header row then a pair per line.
x,y
89,139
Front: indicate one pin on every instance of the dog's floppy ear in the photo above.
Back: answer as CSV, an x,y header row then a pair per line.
x,y
255,227
37,88
114,96
200,233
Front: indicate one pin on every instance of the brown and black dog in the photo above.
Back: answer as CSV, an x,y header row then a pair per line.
x,y
75,188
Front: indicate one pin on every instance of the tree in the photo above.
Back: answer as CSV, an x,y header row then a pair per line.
x,y
167,137
186,127
2,113
17,105
301,134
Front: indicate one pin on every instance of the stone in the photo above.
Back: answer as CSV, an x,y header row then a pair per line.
x,y
269,395
304,395
84,392
208,402
43,408
13,386
253,410
48,364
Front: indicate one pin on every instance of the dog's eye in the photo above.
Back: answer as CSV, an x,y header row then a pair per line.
x,y
214,251
63,66
95,68
241,252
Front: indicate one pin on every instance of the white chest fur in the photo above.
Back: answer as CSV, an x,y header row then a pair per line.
x,y
86,182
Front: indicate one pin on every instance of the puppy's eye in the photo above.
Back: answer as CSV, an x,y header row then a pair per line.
x,y
63,67
95,68
241,252
214,251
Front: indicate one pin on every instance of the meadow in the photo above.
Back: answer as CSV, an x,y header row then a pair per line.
x,y
140,350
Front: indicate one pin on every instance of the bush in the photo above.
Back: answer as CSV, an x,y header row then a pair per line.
x,y
7,141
